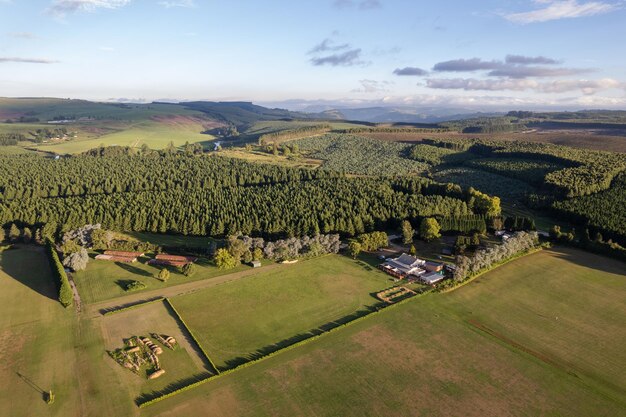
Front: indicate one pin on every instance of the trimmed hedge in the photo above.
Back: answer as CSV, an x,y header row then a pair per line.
x,y
180,318
66,297
269,355
132,306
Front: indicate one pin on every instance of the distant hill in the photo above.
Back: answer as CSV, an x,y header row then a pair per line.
x,y
403,114
243,114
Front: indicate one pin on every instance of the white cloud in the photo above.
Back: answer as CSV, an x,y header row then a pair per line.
x,y
587,87
62,7
372,86
178,3
26,60
22,35
561,9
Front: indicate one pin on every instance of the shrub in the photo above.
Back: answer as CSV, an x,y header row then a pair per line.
x,y
134,286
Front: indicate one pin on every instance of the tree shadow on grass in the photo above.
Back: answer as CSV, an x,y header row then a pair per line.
x,y
176,385
13,264
190,340
133,269
266,350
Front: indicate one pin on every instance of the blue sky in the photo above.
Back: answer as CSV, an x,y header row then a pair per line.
x,y
483,53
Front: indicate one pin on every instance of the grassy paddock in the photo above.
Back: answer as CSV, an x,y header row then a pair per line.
x,y
426,358
44,346
104,280
238,322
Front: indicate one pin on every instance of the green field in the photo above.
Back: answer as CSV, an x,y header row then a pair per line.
x,y
155,125
182,363
43,347
103,280
427,358
542,335
236,320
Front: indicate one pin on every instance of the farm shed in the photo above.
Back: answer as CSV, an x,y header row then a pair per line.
x,y
431,278
432,266
116,258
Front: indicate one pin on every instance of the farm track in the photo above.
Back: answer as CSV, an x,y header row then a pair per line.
x,y
95,309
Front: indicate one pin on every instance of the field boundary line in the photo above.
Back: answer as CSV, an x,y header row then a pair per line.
x,y
122,308
169,304
310,339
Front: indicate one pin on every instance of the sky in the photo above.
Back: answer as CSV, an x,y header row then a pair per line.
x,y
484,54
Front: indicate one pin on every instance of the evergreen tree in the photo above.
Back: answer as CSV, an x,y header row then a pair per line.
x,y
429,229
407,232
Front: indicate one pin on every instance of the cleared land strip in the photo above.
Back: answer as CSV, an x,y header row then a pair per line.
x,y
96,309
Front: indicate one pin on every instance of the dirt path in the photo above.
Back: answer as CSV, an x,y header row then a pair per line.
x,y
77,301
186,288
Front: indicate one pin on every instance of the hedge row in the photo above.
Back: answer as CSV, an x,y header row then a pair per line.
x,y
193,336
115,310
269,355
66,296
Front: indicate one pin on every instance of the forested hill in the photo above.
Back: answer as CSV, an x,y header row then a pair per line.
x,y
213,195
239,113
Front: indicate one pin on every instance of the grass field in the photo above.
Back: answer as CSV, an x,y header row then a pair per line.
x,y
43,346
155,125
428,357
235,320
155,134
103,280
182,363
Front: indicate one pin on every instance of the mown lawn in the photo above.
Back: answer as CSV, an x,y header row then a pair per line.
x,y
104,280
234,320
427,358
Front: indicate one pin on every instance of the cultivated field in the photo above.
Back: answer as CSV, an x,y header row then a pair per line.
x,y
236,320
493,347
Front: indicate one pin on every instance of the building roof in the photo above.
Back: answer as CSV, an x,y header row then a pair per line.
x,y
409,260
431,277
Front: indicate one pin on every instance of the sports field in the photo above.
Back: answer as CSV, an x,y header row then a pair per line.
x,y
429,356
236,320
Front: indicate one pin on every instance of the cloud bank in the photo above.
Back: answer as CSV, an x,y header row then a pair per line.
x,y
560,9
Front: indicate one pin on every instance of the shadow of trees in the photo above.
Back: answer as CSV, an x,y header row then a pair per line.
x,y
266,350
13,264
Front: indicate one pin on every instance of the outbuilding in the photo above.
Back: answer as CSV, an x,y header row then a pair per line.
x,y
431,278
255,264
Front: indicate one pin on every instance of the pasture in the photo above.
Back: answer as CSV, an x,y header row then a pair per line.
x,y
105,280
235,321
43,347
430,357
